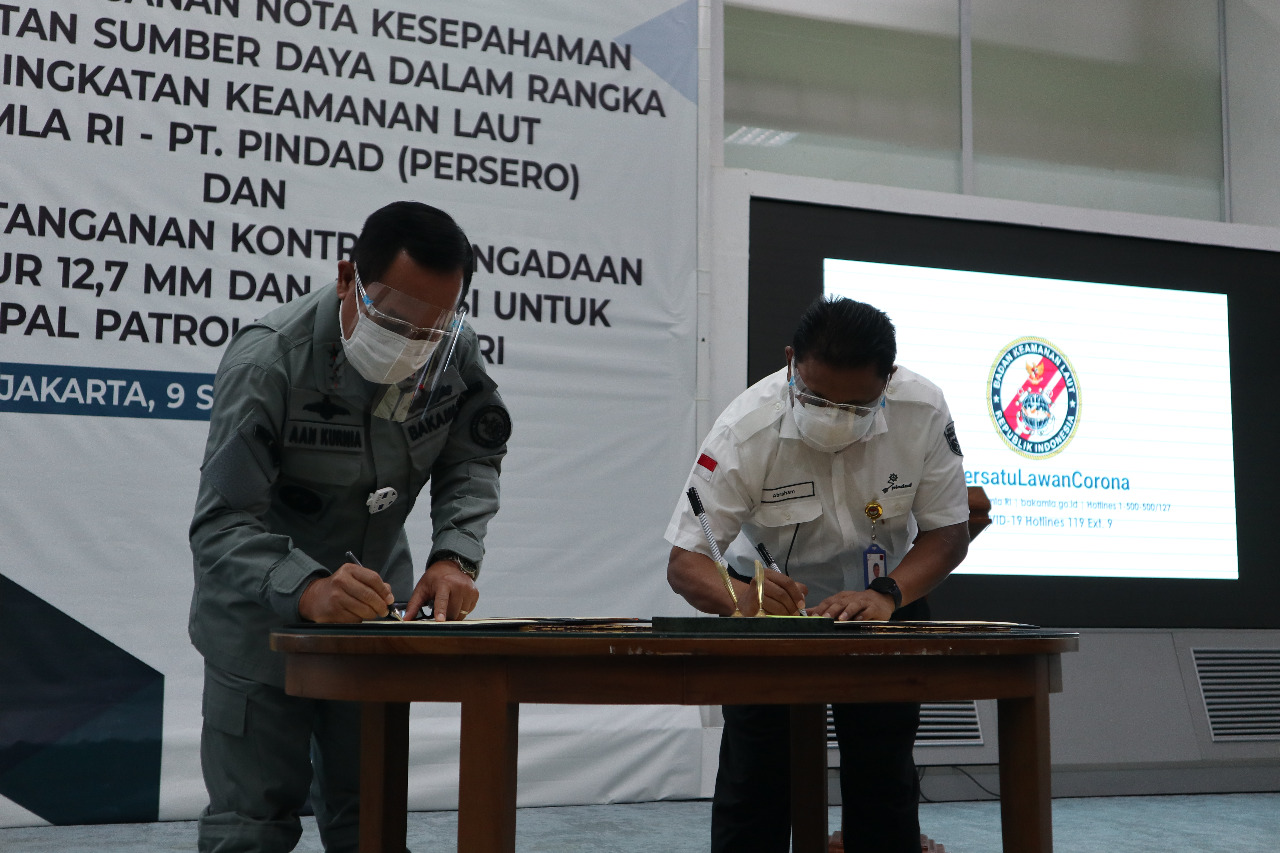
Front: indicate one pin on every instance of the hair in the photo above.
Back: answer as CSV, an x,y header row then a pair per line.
x,y
427,234
844,333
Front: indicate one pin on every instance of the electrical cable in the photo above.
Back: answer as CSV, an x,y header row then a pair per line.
x,y
920,771
789,547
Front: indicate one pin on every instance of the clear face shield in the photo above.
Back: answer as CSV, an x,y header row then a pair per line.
x,y
828,426
405,343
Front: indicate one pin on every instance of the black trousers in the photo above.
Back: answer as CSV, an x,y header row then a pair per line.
x,y
879,788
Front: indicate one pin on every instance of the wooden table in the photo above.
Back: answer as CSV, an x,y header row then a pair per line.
x,y
491,673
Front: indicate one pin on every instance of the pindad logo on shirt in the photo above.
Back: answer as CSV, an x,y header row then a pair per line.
x,y
892,484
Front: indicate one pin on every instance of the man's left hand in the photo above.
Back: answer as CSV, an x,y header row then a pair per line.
x,y
862,605
451,589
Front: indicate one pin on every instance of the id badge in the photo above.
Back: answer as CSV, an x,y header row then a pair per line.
x,y
874,564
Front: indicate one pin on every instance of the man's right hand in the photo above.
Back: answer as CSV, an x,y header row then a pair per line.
x,y
350,594
782,595
695,577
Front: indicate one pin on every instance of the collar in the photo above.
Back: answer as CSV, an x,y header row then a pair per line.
x,y
788,428
333,374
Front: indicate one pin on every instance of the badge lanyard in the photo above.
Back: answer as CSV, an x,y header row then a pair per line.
x,y
874,559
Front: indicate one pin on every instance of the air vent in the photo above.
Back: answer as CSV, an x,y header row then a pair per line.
x,y
941,724
1241,691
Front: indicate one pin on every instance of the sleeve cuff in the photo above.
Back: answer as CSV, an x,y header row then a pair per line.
x,y
287,580
934,520
459,543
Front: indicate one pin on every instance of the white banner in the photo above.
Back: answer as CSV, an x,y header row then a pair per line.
x,y
173,170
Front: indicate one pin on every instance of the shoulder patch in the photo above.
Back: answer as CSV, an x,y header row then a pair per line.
x,y
491,427
705,467
952,441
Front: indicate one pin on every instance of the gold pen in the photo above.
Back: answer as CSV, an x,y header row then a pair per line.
x,y
773,564
696,503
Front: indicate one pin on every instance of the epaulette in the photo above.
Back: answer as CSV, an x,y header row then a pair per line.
x,y
757,419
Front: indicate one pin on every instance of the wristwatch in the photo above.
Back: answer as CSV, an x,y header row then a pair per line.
x,y
887,586
468,567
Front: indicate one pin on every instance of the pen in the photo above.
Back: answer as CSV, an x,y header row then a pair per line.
x,y
696,503
393,611
773,564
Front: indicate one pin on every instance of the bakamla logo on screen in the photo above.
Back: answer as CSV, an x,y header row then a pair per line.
x,y
1034,398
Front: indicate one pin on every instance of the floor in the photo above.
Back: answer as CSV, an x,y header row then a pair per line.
x,y
1215,823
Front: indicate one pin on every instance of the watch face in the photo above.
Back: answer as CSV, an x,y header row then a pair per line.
x,y
887,586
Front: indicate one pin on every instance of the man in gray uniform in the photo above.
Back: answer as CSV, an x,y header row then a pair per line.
x,y
330,415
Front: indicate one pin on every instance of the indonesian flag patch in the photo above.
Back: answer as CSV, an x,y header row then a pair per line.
x,y
706,467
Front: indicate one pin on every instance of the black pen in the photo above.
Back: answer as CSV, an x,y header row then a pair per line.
x,y
392,610
773,564
695,503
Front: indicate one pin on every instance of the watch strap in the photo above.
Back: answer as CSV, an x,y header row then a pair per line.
x,y
887,586
469,567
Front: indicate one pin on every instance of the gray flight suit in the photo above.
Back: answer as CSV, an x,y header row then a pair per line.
x,y
293,455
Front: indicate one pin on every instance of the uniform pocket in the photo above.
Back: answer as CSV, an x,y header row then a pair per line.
x,y
320,468
224,705
787,512
899,504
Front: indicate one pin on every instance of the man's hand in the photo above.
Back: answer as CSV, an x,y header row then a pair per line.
x,y
862,605
449,587
696,578
782,595
350,594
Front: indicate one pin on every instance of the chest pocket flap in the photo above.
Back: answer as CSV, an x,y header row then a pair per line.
x,y
788,512
323,439
899,504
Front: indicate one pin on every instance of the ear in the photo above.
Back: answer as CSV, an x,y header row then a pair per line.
x,y
346,278
790,353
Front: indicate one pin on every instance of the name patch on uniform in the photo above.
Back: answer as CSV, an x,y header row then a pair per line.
x,y
418,429
787,493
313,435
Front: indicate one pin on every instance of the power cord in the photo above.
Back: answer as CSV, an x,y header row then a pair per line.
x,y
920,771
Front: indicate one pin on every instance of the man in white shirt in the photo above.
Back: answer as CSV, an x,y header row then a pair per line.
x,y
846,467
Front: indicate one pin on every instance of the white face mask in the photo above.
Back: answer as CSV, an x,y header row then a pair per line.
x,y
830,429
381,355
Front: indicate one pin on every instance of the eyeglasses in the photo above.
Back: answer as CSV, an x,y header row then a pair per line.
x,y
403,314
802,395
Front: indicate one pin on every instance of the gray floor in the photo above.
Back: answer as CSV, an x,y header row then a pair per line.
x,y
1183,824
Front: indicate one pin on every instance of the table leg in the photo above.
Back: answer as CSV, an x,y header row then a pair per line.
x,y
1026,816
384,776
487,777
809,778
